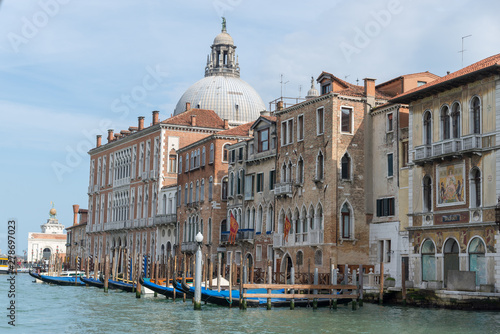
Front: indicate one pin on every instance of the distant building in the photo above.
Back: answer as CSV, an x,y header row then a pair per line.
x,y
76,238
51,241
454,178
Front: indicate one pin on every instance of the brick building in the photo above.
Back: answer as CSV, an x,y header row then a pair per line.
x,y
454,177
76,238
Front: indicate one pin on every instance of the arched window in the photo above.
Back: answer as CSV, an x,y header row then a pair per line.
x,y
318,258
270,219
246,223
346,167
209,232
300,171
211,157
476,115
202,190
179,195
186,194
180,164
428,261
164,201
319,166
346,221
231,185
191,192
203,156
281,221
303,220
258,228
197,199
252,219
300,258
297,227
427,193
211,188
427,128
319,217
310,218
187,162
225,152
475,188
455,120
283,173
225,187
477,260
445,123
289,172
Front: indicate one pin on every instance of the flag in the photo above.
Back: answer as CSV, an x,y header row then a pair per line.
x,y
288,227
233,229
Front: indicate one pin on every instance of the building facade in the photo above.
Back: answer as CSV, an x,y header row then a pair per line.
x,y
76,238
454,177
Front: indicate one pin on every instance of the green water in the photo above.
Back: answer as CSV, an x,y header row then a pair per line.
x,y
41,308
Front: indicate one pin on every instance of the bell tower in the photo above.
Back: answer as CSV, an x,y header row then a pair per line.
x,y
223,60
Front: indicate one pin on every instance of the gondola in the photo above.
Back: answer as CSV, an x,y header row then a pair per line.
x,y
167,291
58,280
121,285
34,275
93,282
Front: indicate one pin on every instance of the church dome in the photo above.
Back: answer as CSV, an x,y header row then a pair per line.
x,y
230,97
313,92
222,90
223,38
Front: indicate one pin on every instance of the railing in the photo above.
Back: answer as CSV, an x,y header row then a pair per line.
x,y
153,174
472,142
316,237
422,152
301,238
170,218
278,240
96,227
129,224
110,226
189,247
150,221
245,234
144,176
96,188
283,189
448,147
121,182
224,236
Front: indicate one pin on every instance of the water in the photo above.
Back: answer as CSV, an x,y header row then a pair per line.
x,y
41,308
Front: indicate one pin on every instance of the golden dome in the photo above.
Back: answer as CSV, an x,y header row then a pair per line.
x,y
53,212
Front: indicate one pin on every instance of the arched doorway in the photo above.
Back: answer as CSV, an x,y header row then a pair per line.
x,y
477,260
451,262
286,267
46,253
428,261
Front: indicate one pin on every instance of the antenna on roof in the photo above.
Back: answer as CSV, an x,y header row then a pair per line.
x,y
300,90
346,76
283,83
463,50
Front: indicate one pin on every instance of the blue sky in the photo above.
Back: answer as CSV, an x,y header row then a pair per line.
x,y
66,67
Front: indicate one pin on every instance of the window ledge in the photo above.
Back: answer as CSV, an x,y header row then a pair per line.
x,y
353,240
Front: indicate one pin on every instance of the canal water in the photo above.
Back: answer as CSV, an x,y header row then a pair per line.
x,y
41,308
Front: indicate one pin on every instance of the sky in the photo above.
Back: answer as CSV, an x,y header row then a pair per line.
x,y
72,69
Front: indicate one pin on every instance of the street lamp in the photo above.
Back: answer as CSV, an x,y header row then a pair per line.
x,y
197,275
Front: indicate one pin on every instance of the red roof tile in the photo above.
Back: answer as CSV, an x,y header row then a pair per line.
x,y
241,130
487,63
204,118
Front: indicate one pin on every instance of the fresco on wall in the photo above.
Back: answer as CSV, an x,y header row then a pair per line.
x,y
450,184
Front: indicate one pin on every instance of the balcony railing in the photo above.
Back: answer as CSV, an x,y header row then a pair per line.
x,y
423,152
472,142
245,234
121,182
316,237
283,189
448,147
170,218
224,237
278,240
189,247
153,174
110,226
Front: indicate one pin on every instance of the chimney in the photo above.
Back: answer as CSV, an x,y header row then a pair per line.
x,y
188,105
279,106
193,120
141,123
98,141
156,117
369,87
110,135
226,124
76,207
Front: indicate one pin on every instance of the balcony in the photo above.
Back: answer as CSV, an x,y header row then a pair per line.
x,y
422,152
224,237
144,176
129,224
283,189
153,174
316,237
97,228
278,240
121,182
170,218
245,235
96,188
112,226
472,142
449,147
189,247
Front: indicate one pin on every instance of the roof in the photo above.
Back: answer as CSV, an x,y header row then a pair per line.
x,y
351,89
204,118
241,130
465,75
407,76
48,236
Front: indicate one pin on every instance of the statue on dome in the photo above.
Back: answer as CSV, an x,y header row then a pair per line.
x,y
52,212
223,23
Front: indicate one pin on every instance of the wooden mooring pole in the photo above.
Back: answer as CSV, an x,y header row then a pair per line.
x,y
230,279
269,281
381,297
356,291
106,273
333,281
292,291
361,279
403,281
139,271
219,274
316,282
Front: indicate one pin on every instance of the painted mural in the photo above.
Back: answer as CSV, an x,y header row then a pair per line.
x,y
450,184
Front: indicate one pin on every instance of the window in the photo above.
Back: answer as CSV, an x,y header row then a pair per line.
x,y
427,187
263,138
202,190
270,220
283,133
421,83
390,166
187,162
224,187
390,126
258,228
477,260
233,156
239,182
404,154
186,194
290,131
180,165
318,258
475,188
319,166
211,158
476,115
197,196
346,221
231,185
258,253
326,88
300,127
225,153
445,123
385,207
260,182
249,187
300,171
300,258
272,179
345,166
270,253
203,156
172,160
211,188
240,154
209,232
320,121
191,193
427,128
455,120
346,120
428,261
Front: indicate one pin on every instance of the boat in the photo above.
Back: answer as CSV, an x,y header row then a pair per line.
x,y
4,264
121,285
167,291
92,282
58,280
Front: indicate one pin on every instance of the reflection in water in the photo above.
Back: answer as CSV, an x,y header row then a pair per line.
x,y
52,309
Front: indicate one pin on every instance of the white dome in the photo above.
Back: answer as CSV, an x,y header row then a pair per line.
x,y
230,97
223,38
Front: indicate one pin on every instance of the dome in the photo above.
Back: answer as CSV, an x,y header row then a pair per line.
x,y
223,38
230,97
52,212
313,92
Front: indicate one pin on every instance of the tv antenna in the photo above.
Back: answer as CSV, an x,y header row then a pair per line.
x,y
463,50
283,84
